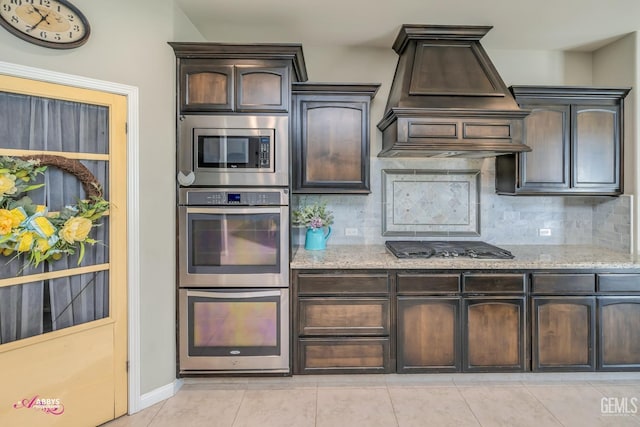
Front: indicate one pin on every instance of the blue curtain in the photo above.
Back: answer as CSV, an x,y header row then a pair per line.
x,y
35,123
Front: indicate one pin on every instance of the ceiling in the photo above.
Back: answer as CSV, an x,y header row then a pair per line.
x,y
581,25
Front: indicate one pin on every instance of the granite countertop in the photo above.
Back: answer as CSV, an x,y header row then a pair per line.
x,y
526,257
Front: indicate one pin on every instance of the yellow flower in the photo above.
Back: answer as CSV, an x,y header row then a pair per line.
x,y
6,222
43,226
42,245
7,251
76,229
7,184
18,216
40,208
25,242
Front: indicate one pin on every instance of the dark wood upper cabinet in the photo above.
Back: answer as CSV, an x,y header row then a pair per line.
x,y
331,137
262,88
213,86
222,78
206,87
576,136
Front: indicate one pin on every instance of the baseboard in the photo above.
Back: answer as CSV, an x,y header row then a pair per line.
x,y
159,394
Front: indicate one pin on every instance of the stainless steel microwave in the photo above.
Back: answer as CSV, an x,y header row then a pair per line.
x,y
233,150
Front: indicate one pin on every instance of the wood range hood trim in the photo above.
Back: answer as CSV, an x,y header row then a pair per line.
x,y
447,98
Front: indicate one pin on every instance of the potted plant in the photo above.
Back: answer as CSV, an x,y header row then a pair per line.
x,y
316,218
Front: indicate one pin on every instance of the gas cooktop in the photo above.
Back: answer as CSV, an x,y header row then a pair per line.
x,y
444,249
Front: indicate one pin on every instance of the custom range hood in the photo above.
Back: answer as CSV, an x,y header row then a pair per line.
x,y
447,99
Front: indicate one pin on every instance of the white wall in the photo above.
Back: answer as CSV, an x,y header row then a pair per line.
x,y
616,65
528,67
128,45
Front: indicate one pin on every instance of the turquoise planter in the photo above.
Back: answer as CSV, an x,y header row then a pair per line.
x,y
316,239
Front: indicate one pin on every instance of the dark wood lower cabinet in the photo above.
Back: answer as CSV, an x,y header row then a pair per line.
x,y
428,337
494,334
376,321
342,322
343,355
343,316
619,333
563,333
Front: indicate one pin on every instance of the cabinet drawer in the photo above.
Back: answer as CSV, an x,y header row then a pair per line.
x,y
426,284
343,355
342,284
619,282
494,283
563,283
343,316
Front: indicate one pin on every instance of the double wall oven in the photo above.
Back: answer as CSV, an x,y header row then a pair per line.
x,y
233,246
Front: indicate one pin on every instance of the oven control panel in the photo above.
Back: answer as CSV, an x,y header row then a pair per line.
x,y
274,197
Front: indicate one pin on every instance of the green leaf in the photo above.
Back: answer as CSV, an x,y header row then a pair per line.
x,y
81,253
32,187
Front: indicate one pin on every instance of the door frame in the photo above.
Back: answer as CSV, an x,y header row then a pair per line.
x,y
133,208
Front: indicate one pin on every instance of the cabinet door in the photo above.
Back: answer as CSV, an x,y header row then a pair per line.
x,y
596,148
619,333
205,86
332,147
546,167
494,334
262,89
428,334
563,333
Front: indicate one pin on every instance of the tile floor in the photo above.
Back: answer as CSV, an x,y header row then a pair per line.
x,y
510,400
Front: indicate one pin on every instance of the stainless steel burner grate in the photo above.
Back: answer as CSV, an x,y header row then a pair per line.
x,y
446,249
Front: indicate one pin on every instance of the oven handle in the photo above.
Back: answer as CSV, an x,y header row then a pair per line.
x,y
228,210
235,295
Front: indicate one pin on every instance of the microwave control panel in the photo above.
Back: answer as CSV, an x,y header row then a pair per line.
x,y
265,153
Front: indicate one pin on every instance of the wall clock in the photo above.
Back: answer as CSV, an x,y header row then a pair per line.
x,y
55,24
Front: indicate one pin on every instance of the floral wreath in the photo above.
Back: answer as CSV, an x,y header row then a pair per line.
x,y
30,229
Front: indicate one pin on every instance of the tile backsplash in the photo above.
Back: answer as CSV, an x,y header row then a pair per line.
x,y
430,203
603,221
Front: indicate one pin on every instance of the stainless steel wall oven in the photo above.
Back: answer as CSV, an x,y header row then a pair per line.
x,y
233,237
233,278
226,330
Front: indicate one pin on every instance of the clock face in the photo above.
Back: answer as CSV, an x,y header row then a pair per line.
x,y
50,23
